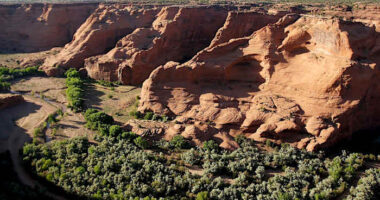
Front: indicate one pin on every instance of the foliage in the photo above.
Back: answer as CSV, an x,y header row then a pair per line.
x,y
112,169
4,86
202,195
141,142
74,91
179,142
107,83
8,74
136,114
97,120
119,168
368,186
72,73
210,145
115,131
148,115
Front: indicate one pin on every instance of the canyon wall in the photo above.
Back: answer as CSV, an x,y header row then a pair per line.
x,y
39,27
99,33
306,80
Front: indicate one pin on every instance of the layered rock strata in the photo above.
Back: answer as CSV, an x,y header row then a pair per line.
x,y
309,81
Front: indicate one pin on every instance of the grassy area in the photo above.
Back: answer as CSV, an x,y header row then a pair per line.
x,y
13,60
116,101
51,87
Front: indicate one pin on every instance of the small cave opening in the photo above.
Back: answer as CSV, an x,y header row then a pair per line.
x,y
246,69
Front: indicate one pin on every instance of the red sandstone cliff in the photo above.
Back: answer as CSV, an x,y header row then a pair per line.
x,y
176,35
38,27
309,81
99,33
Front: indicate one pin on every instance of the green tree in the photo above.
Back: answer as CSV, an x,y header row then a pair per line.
x,y
179,142
141,142
210,145
202,196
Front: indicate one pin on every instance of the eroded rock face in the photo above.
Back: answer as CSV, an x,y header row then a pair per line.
x,y
309,81
177,34
8,100
39,27
241,24
99,33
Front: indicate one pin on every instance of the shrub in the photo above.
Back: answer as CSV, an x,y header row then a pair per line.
x,y
7,74
54,131
97,119
72,73
148,115
89,112
5,86
210,145
128,136
37,132
74,81
74,91
141,142
191,157
51,119
179,142
106,83
136,114
115,130
240,139
60,112
202,195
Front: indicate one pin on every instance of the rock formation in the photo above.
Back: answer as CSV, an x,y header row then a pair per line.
x,y
8,100
99,33
309,81
38,27
177,34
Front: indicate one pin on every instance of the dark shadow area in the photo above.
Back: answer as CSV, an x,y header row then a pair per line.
x,y
10,115
92,97
11,186
364,141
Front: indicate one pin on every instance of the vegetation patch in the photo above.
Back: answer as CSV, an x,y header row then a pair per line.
x,y
119,168
8,74
74,91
